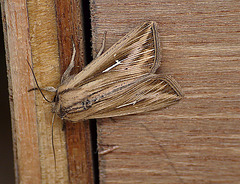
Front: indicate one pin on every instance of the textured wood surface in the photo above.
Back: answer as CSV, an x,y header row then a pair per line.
x,y
45,59
70,28
22,106
196,140
34,33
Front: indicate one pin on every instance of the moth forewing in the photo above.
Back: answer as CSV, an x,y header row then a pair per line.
x,y
151,92
128,49
119,82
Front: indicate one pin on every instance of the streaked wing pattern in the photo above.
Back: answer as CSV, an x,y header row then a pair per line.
x,y
135,54
121,81
148,93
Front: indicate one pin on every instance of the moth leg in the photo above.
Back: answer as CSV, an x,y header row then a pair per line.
x,y
66,74
103,45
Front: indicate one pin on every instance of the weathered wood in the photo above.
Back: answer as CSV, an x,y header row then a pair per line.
x,y
30,35
44,47
196,140
24,128
70,28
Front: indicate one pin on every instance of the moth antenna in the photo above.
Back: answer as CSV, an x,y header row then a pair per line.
x,y
37,83
54,154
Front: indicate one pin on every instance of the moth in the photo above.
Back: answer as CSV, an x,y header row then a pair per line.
x,y
121,81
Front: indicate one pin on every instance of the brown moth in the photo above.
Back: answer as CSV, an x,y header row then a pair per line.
x,y
119,82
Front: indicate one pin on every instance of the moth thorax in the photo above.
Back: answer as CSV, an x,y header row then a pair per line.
x,y
86,103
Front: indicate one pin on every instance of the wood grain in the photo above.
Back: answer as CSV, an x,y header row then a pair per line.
x,y
24,128
30,35
44,50
196,140
78,138
31,32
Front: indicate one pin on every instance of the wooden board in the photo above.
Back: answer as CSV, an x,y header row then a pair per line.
x,y
30,35
34,34
196,140
78,138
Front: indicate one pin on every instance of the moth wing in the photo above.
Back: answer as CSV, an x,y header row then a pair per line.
x,y
121,81
150,92
137,53
147,94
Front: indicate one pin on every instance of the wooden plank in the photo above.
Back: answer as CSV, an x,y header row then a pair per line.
x,y
196,140
24,128
44,47
70,28
31,34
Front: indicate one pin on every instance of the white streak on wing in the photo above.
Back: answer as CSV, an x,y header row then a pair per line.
x,y
109,68
131,103
142,39
120,62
